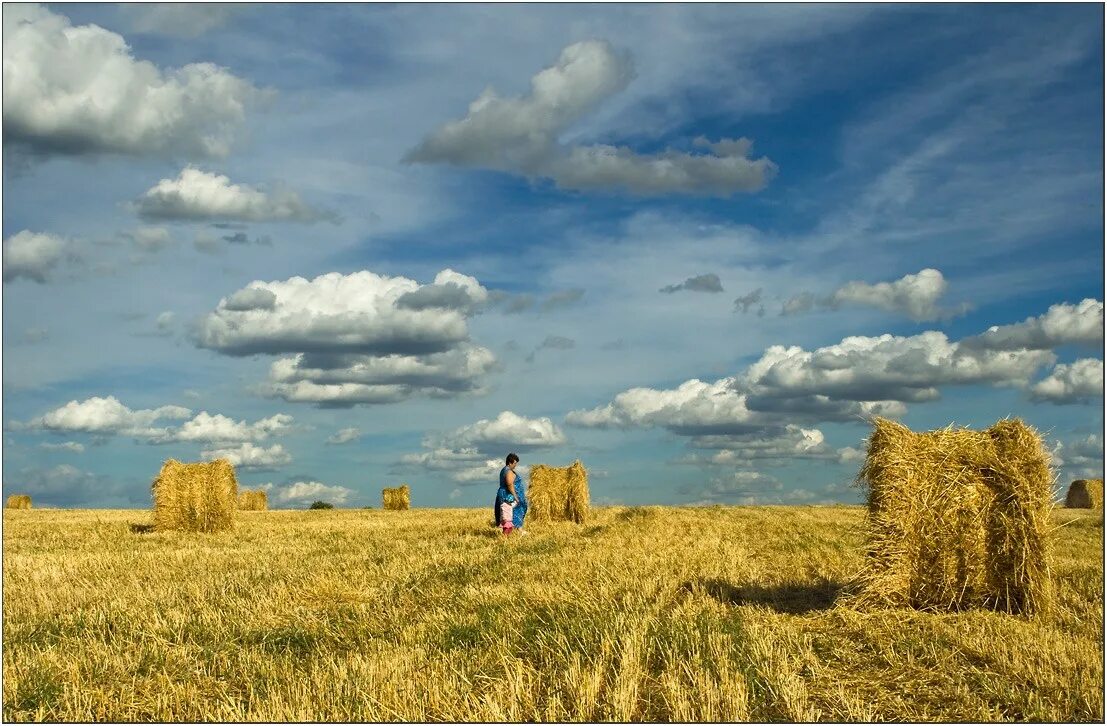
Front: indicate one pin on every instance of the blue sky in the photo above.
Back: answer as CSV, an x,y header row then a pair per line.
x,y
694,246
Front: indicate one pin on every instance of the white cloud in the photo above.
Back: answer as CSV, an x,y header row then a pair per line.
x,y
164,322
915,296
356,338
305,492
1078,382
219,428
770,446
32,255
79,90
108,416
521,135
737,487
508,429
1082,458
198,195
475,453
75,447
250,456
1062,324
345,436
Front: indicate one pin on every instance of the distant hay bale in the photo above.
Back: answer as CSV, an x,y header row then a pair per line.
x,y
19,501
397,497
957,518
558,493
1085,494
253,500
198,497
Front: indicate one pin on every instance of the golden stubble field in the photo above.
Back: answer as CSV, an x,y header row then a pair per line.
x,y
644,613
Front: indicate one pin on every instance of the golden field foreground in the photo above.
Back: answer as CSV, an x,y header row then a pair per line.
x,y
643,613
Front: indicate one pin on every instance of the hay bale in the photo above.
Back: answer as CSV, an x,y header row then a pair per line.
x,y
19,501
198,497
1085,494
957,518
397,497
558,493
253,500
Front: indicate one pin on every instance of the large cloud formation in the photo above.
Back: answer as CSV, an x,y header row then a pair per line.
x,y
474,453
1063,324
352,339
521,135
761,413
1078,382
79,90
32,256
198,195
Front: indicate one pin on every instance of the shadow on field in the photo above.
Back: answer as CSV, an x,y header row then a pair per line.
x,y
142,528
794,598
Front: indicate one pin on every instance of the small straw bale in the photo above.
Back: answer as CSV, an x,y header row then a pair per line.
x,y
253,500
956,518
199,497
19,501
558,493
397,497
1085,494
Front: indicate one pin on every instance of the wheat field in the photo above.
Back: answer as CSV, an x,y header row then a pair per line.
x,y
645,613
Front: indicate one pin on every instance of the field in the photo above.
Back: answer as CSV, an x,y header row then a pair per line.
x,y
650,613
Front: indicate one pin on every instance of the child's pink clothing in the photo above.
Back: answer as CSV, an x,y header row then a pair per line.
x,y
505,517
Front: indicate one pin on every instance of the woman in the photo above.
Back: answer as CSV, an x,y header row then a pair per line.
x,y
512,488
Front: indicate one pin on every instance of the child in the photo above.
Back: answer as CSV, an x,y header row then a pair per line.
x,y
505,514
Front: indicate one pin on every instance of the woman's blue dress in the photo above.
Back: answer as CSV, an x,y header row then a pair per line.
x,y
519,513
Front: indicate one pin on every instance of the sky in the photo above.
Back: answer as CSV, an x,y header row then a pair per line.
x,y
697,247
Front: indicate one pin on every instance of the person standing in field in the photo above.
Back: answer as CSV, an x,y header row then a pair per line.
x,y
512,489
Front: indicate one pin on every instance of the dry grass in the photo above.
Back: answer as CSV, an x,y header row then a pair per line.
x,y
558,493
957,518
651,614
1085,494
253,500
18,501
200,497
397,498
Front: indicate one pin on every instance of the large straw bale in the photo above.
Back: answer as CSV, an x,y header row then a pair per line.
x,y
957,518
1085,494
558,493
253,500
199,497
19,501
397,497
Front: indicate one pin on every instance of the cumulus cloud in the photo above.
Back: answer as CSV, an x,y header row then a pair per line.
x,y
887,367
32,256
356,339
737,487
345,436
856,378
107,416
305,492
1078,382
915,296
208,428
475,452
164,323
197,195
150,239
250,456
700,283
768,447
521,135
1062,324
1082,458
79,90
